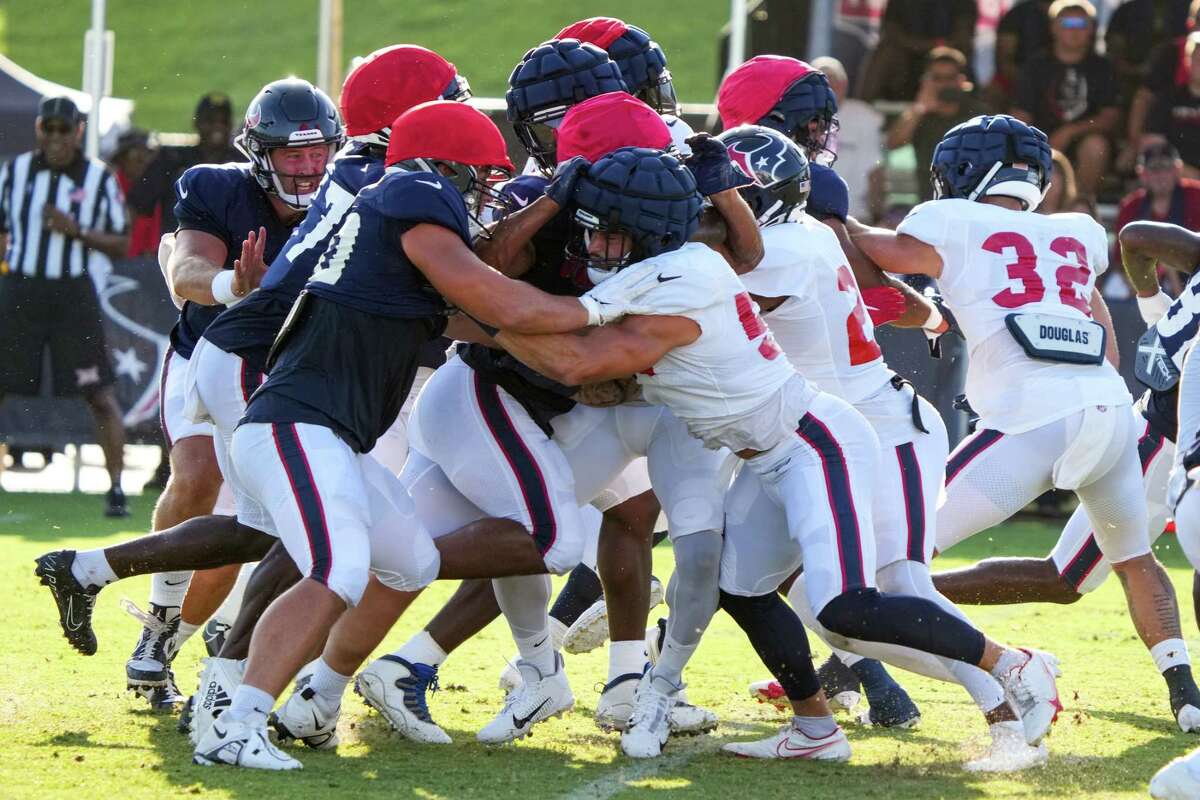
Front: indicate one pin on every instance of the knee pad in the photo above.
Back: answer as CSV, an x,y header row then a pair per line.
x,y
564,555
699,555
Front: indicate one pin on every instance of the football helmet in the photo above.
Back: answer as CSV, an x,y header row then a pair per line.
x,y
785,94
642,62
287,113
598,126
392,80
551,78
646,194
992,156
777,166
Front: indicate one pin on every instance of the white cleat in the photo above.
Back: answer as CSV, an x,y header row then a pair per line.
x,y
1188,718
538,698
1178,780
771,693
590,630
791,742
1008,751
649,726
218,680
237,744
686,719
1031,690
510,677
396,689
304,717
616,703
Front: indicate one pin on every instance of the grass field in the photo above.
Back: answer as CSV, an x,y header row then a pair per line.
x,y
67,728
169,54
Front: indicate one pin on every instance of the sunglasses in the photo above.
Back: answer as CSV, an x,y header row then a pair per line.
x,y
1074,23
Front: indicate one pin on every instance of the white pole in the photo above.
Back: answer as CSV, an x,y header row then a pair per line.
x,y
94,72
324,45
820,29
737,35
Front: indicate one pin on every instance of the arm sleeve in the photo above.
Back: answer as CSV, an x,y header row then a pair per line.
x,y
200,203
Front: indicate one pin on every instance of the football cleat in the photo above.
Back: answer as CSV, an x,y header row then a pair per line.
x,y
1178,780
510,676
184,725
654,640
237,744
590,630
1188,717
166,697
842,687
791,742
649,726
1008,751
147,668
115,504
686,719
218,680
771,692
1033,693
538,698
616,703
396,689
214,634
75,603
893,709
303,717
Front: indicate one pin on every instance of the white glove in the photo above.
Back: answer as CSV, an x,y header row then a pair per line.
x,y
1153,308
617,296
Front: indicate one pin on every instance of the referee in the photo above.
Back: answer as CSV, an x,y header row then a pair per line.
x,y
58,210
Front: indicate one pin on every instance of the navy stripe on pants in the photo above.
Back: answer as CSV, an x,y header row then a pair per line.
x,y
308,499
914,500
969,449
841,499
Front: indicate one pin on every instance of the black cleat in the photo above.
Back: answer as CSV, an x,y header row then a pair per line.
x,y
894,709
836,678
214,636
166,697
150,665
115,504
75,603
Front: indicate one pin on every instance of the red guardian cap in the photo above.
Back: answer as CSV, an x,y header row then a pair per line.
x,y
447,131
390,81
608,122
753,89
600,31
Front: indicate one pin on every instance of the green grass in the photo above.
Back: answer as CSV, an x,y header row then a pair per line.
x,y
66,726
169,54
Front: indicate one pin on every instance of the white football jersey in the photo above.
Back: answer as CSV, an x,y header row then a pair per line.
x,y
997,262
726,386
823,326
680,133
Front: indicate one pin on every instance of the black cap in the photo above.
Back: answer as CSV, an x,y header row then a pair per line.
x,y
1157,151
214,101
63,108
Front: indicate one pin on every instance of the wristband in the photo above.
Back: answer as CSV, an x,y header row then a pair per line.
x,y
592,307
1153,308
935,319
222,288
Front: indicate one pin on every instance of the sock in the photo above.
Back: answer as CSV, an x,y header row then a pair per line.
x,y
875,679
1008,660
672,659
538,650
1170,653
232,604
626,657
249,705
422,649
91,569
815,727
328,684
169,588
186,630
558,632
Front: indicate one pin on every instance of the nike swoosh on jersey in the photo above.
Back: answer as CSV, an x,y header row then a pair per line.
x,y
434,184
661,279
521,722
520,201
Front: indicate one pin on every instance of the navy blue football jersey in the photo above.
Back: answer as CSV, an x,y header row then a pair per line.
x,y
829,195
553,273
225,201
349,355
1161,410
249,328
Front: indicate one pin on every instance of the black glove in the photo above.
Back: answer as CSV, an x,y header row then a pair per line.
x,y
562,188
711,165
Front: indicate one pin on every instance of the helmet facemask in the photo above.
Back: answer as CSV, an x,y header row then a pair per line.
x,y
475,184
272,180
616,255
660,94
537,135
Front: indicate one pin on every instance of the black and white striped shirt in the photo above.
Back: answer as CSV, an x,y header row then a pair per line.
x,y
87,190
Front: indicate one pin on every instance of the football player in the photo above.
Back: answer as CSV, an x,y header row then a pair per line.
x,y
1054,411
808,296
706,354
291,130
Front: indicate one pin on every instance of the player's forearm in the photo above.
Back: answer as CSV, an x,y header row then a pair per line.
x,y
918,309
519,307
598,354
508,247
192,277
895,253
1146,244
743,239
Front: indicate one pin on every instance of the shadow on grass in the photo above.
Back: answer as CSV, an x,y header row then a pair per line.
x,y
61,518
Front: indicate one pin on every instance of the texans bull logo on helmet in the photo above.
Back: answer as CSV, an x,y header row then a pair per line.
x,y
759,158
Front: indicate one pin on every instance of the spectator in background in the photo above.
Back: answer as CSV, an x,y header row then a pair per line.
x,y
1167,69
1070,93
1175,115
943,101
1165,195
857,143
59,213
1023,32
213,121
1134,29
132,156
909,30
1060,194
